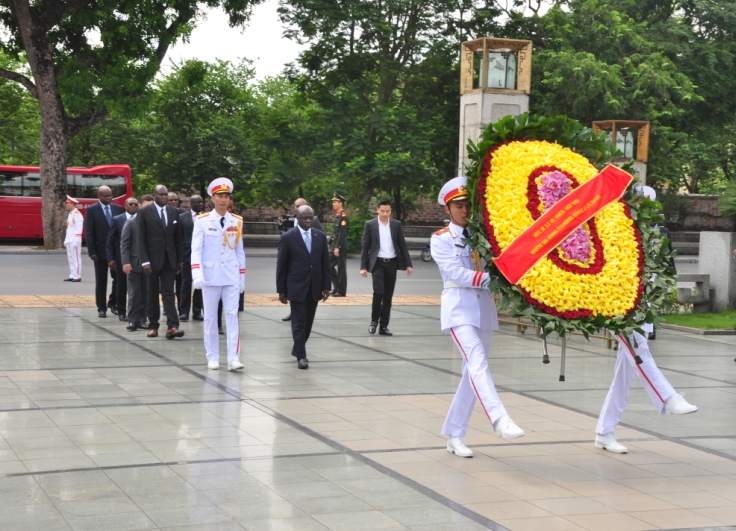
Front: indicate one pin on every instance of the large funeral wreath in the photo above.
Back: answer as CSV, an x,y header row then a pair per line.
x,y
612,272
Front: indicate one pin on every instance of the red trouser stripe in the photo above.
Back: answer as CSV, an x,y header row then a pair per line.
x,y
457,341
633,355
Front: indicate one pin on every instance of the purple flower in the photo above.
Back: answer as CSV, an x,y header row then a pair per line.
x,y
555,186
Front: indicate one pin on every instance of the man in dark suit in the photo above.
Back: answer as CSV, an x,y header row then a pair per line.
x,y
174,201
186,219
160,247
130,258
97,223
113,255
384,254
303,278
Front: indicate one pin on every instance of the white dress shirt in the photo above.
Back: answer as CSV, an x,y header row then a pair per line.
x,y
386,243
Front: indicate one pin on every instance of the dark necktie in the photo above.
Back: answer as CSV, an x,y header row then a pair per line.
x,y
222,222
163,218
108,215
466,234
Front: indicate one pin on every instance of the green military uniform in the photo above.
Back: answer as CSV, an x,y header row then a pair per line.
x,y
339,240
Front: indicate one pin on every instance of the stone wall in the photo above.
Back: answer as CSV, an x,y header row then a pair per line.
x,y
704,214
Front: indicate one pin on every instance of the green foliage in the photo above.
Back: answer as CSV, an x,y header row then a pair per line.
x,y
675,209
20,118
598,149
725,320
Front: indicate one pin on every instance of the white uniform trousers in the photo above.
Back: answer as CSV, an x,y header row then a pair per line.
x,y
211,297
655,383
476,381
73,255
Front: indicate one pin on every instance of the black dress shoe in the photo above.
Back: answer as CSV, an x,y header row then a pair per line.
x,y
113,308
302,363
122,317
339,295
287,318
372,327
653,335
293,353
132,327
100,313
198,317
143,326
75,280
183,317
384,332
220,331
68,279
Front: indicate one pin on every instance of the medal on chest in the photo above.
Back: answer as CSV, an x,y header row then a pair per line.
x,y
230,236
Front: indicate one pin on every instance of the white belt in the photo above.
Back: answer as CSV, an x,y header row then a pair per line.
x,y
452,284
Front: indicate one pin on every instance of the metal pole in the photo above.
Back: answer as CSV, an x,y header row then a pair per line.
x,y
563,344
545,356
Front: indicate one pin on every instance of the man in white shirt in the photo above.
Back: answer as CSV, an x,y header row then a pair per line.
x,y
384,253
73,240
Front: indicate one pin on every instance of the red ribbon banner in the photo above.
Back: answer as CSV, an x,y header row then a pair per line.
x,y
552,227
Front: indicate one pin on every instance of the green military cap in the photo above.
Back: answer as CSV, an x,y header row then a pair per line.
x,y
338,197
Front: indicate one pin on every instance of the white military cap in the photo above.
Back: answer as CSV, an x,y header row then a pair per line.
x,y
454,189
648,192
71,200
221,185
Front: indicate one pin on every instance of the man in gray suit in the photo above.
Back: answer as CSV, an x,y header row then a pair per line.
x,y
384,253
130,258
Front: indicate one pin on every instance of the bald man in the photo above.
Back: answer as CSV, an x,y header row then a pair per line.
x,y
97,223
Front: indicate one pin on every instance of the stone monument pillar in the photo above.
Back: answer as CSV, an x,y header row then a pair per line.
x,y
495,81
632,139
715,260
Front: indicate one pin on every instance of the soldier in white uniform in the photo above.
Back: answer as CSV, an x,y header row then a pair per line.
x,y
469,315
659,389
218,269
73,240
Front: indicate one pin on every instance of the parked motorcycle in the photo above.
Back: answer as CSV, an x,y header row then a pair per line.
x,y
427,252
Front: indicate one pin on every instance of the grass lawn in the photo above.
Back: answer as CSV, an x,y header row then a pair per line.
x,y
705,321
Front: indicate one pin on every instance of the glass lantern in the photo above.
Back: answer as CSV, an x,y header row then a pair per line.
x,y
502,66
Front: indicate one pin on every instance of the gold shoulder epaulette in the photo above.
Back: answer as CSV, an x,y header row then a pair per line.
x,y
203,215
441,231
236,216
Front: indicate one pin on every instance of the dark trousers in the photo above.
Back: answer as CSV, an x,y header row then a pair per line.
x,y
162,280
137,297
384,282
338,264
121,291
177,288
187,299
101,269
302,317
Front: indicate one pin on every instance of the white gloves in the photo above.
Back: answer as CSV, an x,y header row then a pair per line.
x,y
198,282
242,283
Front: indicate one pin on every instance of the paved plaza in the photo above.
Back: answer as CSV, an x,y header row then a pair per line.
x,y
102,429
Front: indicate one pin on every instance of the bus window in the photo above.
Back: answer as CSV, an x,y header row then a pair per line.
x,y
86,185
20,184
11,184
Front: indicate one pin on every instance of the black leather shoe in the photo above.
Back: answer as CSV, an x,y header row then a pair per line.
x,y
339,295
100,313
372,327
384,332
183,317
220,331
75,280
112,307
302,363
653,335
122,317
68,279
143,326
333,292
287,318
198,317
293,353
132,327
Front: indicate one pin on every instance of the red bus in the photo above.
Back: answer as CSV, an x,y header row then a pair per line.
x,y
20,194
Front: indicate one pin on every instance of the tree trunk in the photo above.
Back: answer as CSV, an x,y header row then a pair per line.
x,y
53,178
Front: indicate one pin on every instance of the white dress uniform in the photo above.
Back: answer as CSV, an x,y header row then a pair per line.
x,y
655,383
73,240
468,314
218,265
